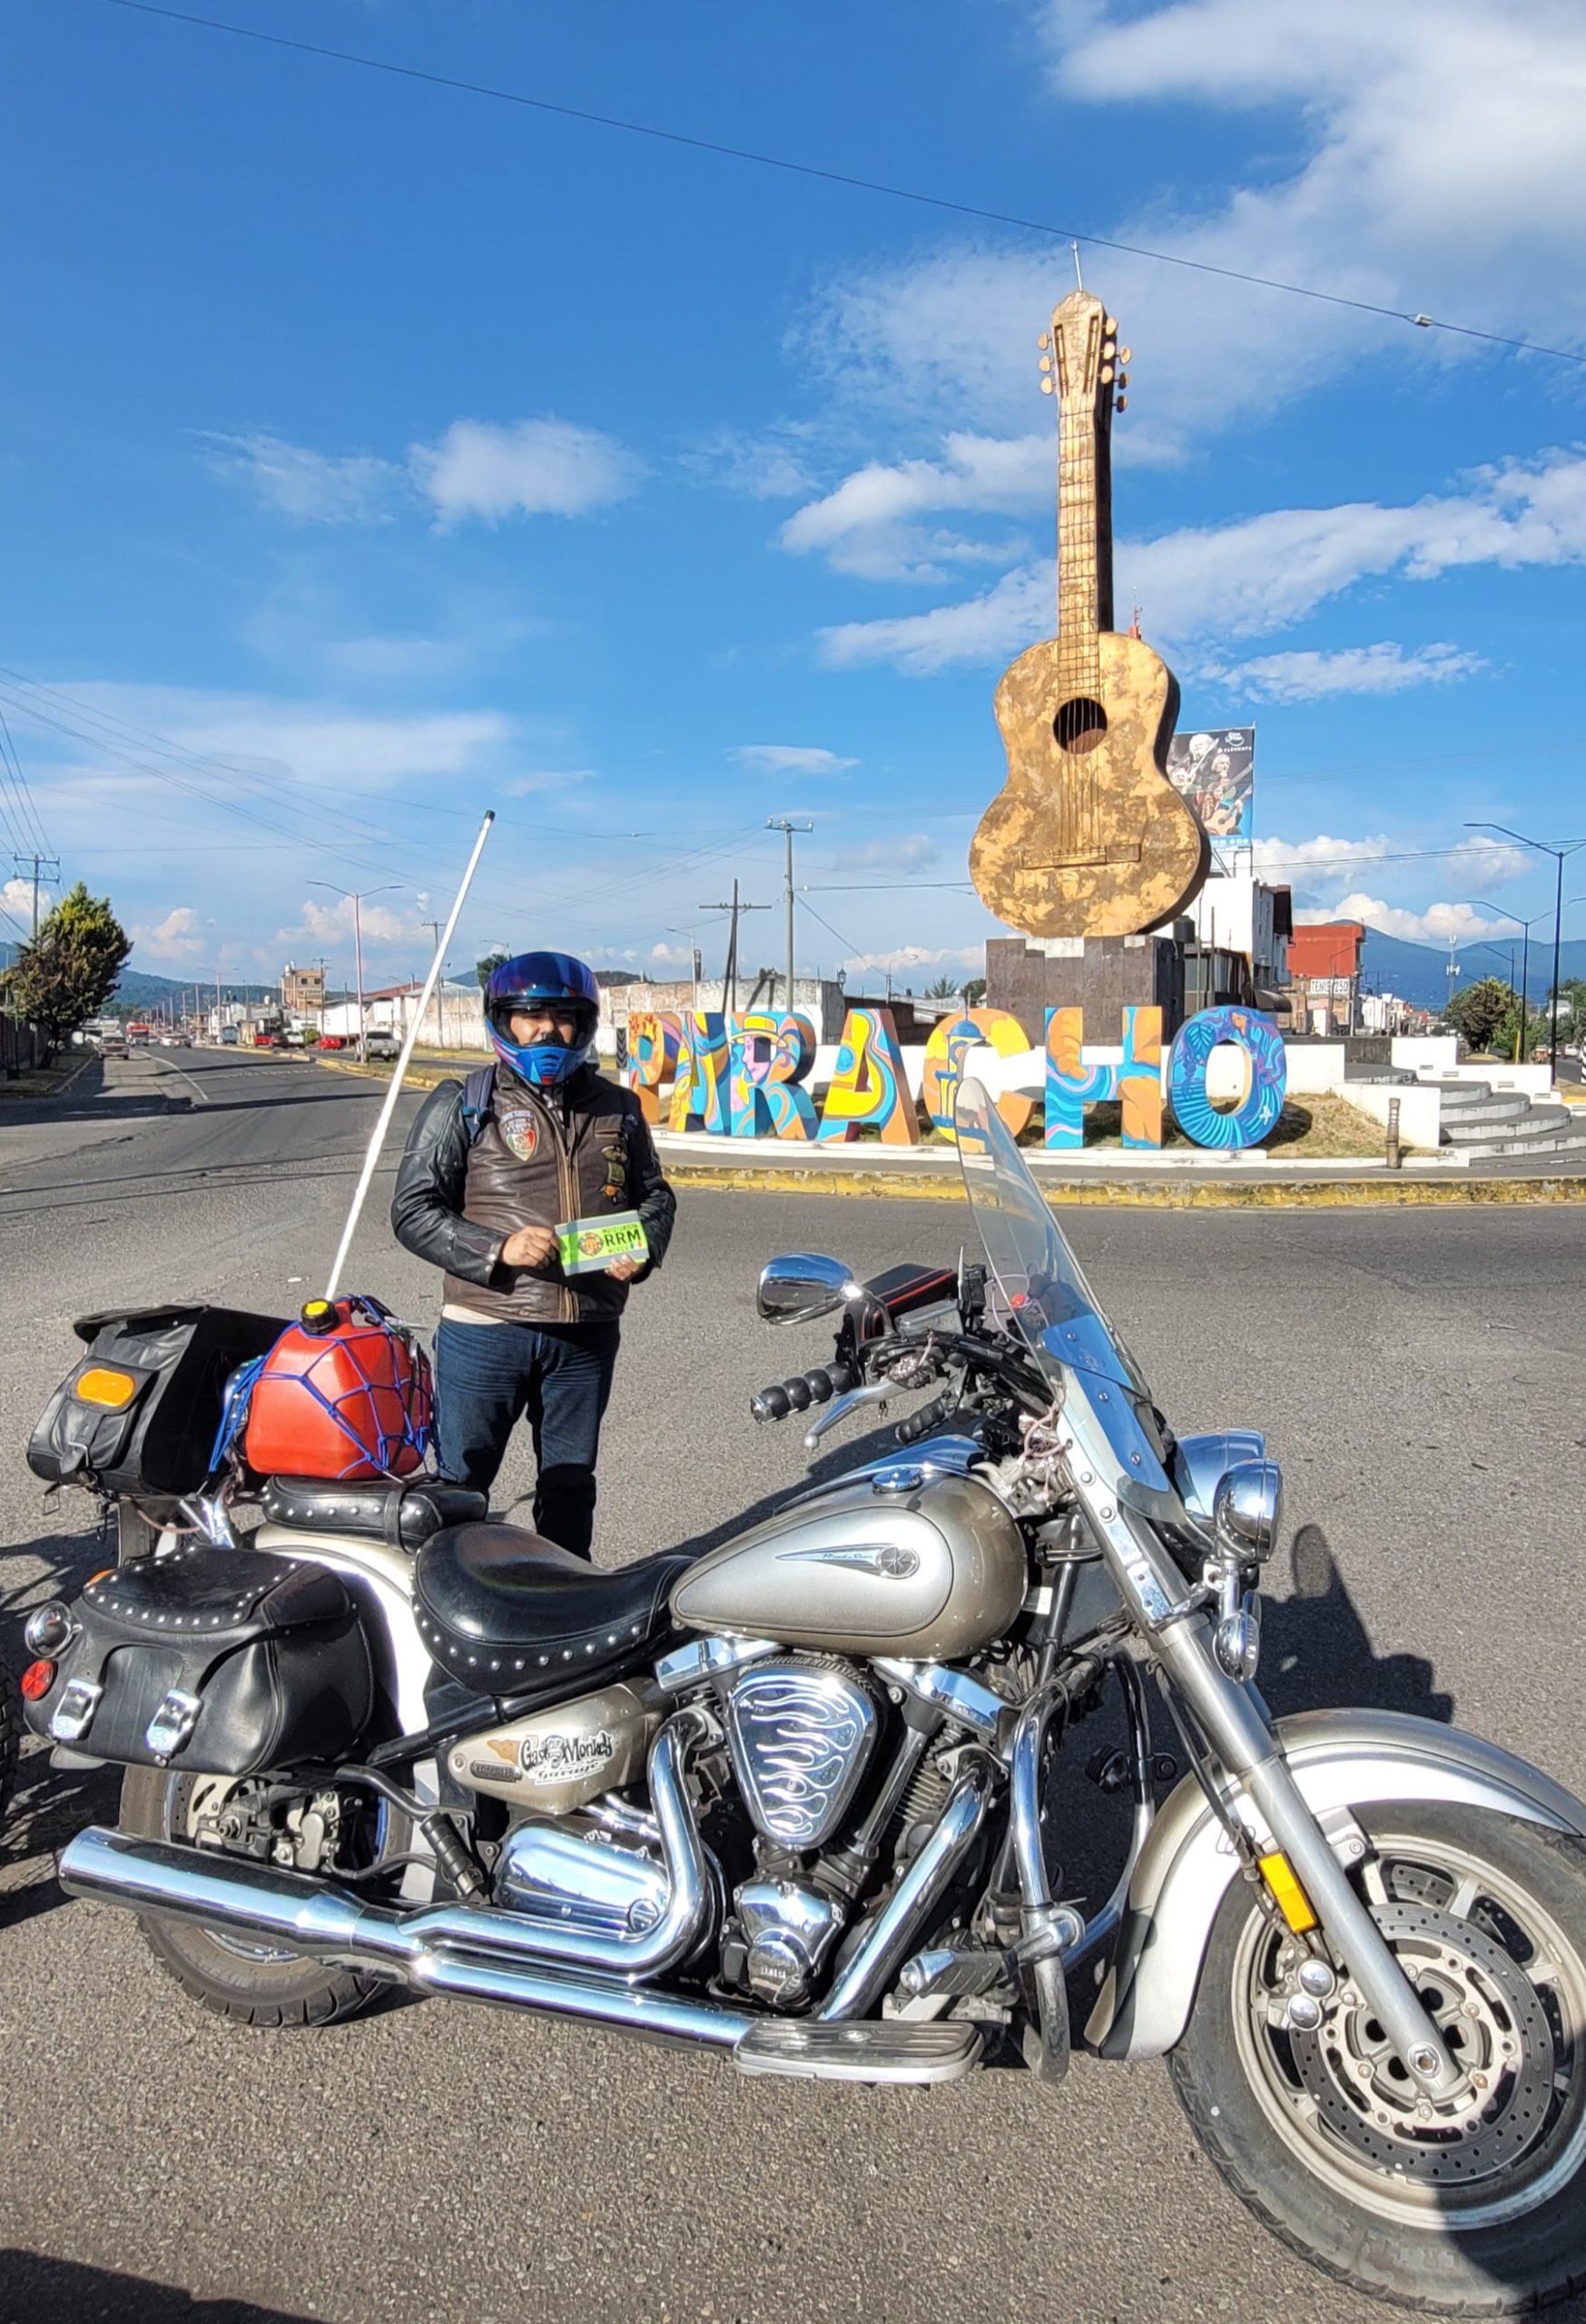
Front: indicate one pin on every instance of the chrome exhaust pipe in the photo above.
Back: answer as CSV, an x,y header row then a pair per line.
x,y
898,1926
270,1906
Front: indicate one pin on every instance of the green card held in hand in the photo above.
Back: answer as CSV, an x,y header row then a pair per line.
x,y
583,1246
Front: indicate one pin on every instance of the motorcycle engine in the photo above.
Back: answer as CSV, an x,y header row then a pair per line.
x,y
801,1730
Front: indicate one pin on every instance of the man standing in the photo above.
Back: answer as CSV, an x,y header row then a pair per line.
x,y
491,1169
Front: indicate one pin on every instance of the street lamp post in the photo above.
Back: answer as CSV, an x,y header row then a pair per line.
x,y
782,824
1558,855
1524,963
358,901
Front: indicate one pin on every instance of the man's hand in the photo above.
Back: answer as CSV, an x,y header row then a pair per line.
x,y
529,1246
624,1270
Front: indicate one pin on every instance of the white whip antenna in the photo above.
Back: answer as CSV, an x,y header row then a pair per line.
x,y
400,1067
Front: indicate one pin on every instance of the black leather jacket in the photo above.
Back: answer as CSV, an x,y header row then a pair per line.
x,y
589,1150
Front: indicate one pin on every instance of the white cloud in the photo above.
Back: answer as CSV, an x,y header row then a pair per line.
x,y
535,468
311,487
180,936
1438,168
917,956
772,466
1324,862
1280,858
1435,925
334,922
1262,573
789,758
1312,677
16,898
869,525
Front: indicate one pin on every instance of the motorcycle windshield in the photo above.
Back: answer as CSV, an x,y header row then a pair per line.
x,y
1032,1263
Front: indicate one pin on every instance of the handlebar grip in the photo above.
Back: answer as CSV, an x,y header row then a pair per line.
x,y
920,1424
805,1388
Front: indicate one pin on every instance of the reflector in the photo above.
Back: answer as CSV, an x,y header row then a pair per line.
x,y
99,1385
37,1680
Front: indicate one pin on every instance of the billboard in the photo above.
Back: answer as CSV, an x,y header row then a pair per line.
x,y
1214,768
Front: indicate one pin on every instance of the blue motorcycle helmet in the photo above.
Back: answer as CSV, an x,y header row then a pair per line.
x,y
538,979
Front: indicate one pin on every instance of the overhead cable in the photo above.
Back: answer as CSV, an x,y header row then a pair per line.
x,y
834,177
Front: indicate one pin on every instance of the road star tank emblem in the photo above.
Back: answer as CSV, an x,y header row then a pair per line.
x,y
883,1558
521,1133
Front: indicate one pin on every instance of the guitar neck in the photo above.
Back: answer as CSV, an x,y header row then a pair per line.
x,y
1084,537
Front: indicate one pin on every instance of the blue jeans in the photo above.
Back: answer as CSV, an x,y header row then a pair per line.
x,y
489,1376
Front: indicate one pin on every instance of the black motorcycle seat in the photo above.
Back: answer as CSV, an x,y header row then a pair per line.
x,y
504,1611
402,1510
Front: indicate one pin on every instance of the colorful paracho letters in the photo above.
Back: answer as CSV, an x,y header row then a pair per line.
x,y
1074,1082
1266,1071
770,1052
869,1089
699,1092
952,1039
652,1042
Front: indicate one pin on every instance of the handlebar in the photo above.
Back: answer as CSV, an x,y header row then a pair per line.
x,y
928,1416
817,1386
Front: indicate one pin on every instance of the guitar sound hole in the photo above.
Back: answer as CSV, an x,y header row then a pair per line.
x,y
1080,724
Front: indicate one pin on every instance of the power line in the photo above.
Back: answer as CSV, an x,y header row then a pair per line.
x,y
832,177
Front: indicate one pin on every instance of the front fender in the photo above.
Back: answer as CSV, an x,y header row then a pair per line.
x,y
1340,1758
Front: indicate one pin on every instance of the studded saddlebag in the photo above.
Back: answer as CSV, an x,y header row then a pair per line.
x,y
223,1662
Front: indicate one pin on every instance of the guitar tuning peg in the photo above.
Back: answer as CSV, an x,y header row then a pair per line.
x,y
1126,355
1046,385
1045,339
1046,363
1120,403
1107,375
1123,378
1109,325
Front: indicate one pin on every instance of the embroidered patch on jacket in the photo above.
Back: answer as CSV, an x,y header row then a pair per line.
x,y
521,1133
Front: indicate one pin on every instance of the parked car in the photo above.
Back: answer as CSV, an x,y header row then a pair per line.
x,y
113,1045
229,1037
383,1047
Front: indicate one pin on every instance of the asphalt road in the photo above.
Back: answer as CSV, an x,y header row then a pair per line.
x,y
1420,1376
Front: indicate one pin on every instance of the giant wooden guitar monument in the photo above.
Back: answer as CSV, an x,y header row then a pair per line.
x,y
1088,848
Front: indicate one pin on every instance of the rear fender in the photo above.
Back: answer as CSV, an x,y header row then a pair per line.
x,y
1340,1760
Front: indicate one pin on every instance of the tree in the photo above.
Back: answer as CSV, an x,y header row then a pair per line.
x,y
68,972
974,992
943,988
1479,1011
491,961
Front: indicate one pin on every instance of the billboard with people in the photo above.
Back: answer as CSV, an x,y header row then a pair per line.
x,y
1215,768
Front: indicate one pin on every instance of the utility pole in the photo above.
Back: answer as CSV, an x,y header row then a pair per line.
x,y
1559,854
36,867
358,901
434,926
780,824
730,979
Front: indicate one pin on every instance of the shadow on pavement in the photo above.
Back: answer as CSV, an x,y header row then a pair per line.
x,y
1317,1652
62,2291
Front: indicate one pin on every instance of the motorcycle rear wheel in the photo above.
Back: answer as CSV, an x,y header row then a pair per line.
x,y
1323,2136
250,1984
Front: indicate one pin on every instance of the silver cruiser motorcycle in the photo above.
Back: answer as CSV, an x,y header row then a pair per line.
x,y
790,1797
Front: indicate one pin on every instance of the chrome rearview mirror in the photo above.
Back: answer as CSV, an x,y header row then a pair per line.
x,y
1247,1508
797,1288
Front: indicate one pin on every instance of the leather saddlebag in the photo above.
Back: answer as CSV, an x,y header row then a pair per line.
x,y
223,1662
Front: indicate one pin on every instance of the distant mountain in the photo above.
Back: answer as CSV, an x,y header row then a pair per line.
x,y
1419,972
137,989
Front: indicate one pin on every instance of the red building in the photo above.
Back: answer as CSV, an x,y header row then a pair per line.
x,y
1323,975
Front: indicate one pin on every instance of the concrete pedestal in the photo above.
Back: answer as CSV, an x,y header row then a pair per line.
x,y
1102,975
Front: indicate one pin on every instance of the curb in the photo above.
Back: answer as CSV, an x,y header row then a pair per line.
x,y
1289,1193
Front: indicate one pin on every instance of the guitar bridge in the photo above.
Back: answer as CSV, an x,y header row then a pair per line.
x,y
1084,859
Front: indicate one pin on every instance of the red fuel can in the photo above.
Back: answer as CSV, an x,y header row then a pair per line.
x,y
345,1393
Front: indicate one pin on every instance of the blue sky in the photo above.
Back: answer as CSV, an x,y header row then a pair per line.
x,y
371,453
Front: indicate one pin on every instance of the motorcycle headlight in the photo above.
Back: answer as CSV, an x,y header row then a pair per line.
x,y
1246,1509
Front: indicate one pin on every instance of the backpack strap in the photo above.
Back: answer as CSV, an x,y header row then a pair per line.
x,y
478,1092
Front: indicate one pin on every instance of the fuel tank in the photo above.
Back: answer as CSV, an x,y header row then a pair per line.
x,y
928,1571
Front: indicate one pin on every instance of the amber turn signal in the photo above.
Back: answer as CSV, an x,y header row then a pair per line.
x,y
99,1385
37,1680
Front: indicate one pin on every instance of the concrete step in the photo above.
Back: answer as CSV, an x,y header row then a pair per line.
x,y
1498,1108
1541,1122
1560,1142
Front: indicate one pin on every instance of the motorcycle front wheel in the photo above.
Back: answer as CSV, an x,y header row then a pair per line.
x,y
1477,2208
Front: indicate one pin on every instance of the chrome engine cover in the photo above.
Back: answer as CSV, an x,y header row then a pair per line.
x,y
606,1887
799,1732
789,1931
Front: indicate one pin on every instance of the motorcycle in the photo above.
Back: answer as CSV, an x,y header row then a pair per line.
x,y
789,1798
